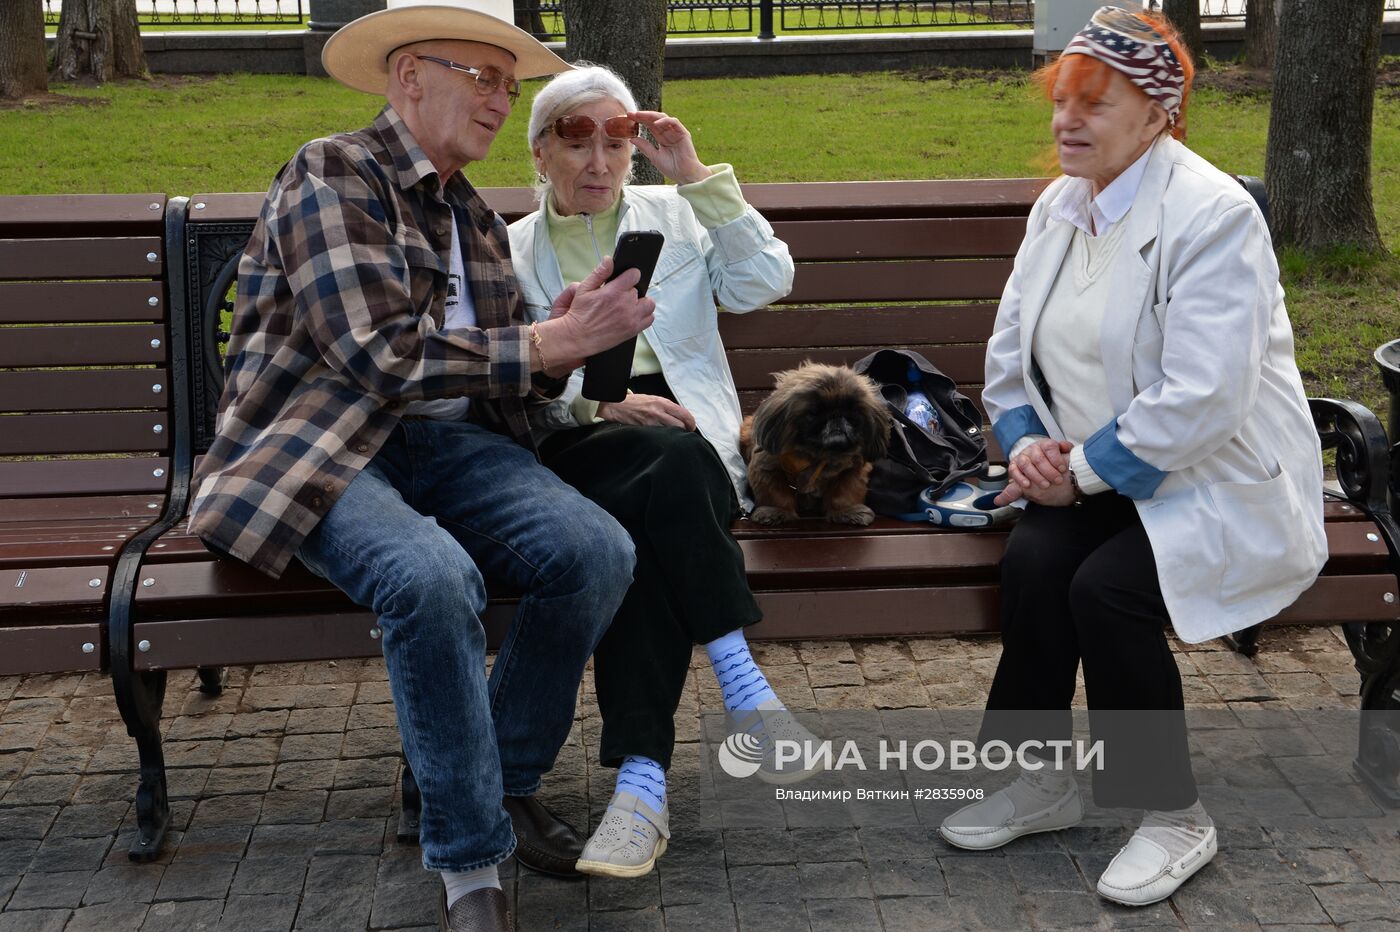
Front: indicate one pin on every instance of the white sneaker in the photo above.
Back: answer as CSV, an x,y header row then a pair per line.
x,y
628,840
1143,872
992,822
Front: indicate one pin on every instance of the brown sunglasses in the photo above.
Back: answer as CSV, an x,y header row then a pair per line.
x,y
583,127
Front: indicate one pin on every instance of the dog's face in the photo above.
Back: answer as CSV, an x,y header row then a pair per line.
x,y
823,413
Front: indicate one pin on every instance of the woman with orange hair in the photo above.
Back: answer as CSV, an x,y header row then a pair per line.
x,y
1141,377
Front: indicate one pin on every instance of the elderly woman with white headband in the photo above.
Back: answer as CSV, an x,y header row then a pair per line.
x,y
1141,376
665,461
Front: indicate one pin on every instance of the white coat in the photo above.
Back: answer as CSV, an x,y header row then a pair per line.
x,y
740,262
1211,437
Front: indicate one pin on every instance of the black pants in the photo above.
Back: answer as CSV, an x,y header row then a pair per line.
x,y
1080,584
671,492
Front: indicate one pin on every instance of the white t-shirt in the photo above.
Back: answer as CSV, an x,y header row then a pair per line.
x,y
460,313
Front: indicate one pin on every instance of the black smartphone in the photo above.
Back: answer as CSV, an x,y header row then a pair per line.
x,y
605,374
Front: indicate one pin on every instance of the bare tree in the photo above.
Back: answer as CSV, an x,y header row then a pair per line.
x,y
22,66
1318,163
1185,15
1261,33
629,36
99,39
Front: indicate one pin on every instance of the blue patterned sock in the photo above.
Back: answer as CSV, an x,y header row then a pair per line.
x,y
740,679
643,778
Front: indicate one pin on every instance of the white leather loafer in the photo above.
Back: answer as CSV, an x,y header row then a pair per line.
x,y
1144,872
993,822
628,840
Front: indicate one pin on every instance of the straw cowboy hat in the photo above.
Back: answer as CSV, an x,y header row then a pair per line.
x,y
358,54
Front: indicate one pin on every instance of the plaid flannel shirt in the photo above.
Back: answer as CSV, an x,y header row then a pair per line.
x,y
338,324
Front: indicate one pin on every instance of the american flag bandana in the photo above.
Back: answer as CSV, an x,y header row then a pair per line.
x,y
1122,41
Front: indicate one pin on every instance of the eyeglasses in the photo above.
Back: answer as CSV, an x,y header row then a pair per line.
x,y
583,127
487,79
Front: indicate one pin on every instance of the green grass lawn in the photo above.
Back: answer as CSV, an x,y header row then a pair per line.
x,y
185,136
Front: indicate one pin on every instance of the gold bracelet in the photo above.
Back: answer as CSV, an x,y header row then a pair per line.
x,y
539,346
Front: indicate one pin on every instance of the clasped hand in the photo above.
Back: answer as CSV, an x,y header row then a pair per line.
x,y
1040,474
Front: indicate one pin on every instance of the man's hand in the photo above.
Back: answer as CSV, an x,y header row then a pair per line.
x,y
592,316
647,410
1040,474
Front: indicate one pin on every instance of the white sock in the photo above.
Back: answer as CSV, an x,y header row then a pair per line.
x,y
1035,789
1177,830
459,884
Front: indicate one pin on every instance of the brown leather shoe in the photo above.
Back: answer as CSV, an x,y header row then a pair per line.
x,y
543,841
483,910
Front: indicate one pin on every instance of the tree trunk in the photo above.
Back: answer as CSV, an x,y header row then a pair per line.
x,y
1185,15
22,68
1318,163
629,36
528,18
99,39
1261,33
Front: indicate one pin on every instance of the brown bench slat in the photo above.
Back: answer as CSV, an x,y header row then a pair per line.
x,y
109,432
874,561
861,326
902,239
46,511
50,649
915,280
90,214
54,302
753,369
1336,599
32,554
120,257
97,345
32,592
1351,551
231,587
83,477
83,389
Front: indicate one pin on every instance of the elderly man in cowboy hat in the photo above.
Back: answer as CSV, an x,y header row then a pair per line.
x,y
374,425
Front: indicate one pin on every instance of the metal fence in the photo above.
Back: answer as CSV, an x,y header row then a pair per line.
x,y
233,13
545,18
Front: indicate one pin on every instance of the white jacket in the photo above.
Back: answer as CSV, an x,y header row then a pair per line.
x,y
740,262
1212,435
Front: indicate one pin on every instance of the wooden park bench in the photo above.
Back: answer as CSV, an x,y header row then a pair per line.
x,y
914,264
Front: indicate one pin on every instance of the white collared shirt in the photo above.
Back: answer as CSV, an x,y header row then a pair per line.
x,y
1097,215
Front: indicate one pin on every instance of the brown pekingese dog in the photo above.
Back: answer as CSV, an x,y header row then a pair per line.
x,y
811,444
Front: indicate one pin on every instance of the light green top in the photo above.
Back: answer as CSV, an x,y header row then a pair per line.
x,y
580,242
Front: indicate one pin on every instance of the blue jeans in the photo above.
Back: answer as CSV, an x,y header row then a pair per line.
x,y
442,505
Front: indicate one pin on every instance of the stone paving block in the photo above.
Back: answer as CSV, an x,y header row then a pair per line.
x,y
1324,866
193,727
258,724
305,775
26,821
263,876
36,920
1348,903
397,906
842,915
627,920
1060,910
1206,908
186,782
7,886
282,841
353,836
54,890
66,853
187,916
36,711
403,865
57,685
716,917
331,872
372,715
375,691
976,876
224,781
607,893
1046,872
773,917
908,877
1001,912
366,772
241,809
334,911
125,882
107,917
838,879
259,913
322,747
46,789
546,903
1290,903
762,883
688,884
53,757
816,651
91,709
916,913
293,806
188,879
372,802
371,742
1379,862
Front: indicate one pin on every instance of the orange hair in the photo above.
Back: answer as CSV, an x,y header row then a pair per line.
x,y
1086,76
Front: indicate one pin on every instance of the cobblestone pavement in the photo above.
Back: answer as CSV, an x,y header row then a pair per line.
x,y
284,813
